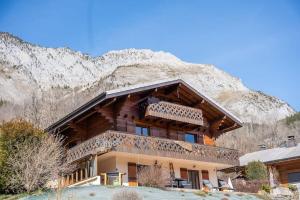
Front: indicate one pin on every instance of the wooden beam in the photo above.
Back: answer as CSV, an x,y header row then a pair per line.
x,y
167,98
86,116
229,128
198,104
81,132
171,89
214,127
110,102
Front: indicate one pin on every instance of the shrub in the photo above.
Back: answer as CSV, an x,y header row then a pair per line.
x,y
201,193
250,186
2,102
266,188
293,188
29,157
153,176
290,120
127,194
10,133
256,170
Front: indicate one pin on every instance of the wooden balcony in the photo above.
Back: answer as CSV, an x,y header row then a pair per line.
x,y
122,142
175,112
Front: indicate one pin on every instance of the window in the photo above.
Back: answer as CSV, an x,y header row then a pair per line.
x,y
192,138
294,177
144,131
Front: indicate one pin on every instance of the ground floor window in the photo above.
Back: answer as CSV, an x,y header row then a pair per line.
x,y
133,170
294,177
191,177
205,175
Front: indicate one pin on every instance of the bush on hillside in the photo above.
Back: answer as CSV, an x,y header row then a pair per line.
x,y
256,170
250,186
127,194
290,120
293,188
29,157
266,188
10,133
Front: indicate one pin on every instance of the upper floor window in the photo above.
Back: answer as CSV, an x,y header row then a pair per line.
x,y
144,131
192,138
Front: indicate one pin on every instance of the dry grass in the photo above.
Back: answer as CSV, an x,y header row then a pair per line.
x,y
201,193
127,194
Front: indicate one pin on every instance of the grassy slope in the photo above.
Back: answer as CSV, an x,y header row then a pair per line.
x,y
106,193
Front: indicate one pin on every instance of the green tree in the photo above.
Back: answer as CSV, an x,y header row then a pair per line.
x,y
256,170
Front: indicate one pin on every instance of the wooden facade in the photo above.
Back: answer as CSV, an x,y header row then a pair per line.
x,y
172,115
285,169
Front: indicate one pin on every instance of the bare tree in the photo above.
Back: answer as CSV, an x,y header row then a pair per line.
x,y
274,129
154,176
34,162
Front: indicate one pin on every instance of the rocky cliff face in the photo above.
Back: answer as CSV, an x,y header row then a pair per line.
x,y
31,75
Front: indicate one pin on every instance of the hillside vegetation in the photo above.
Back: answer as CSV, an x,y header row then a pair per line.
x,y
274,134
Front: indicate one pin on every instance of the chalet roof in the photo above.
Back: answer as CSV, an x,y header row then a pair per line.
x,y
272,155
134,89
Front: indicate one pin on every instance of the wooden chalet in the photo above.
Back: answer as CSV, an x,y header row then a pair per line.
x,y
167,123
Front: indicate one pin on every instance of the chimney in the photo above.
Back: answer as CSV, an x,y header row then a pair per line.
x,y
291,142
262,146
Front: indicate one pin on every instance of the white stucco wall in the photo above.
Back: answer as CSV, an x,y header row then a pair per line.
x,y
107,164
123,159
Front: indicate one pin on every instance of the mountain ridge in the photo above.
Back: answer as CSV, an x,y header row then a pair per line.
x,y
28,71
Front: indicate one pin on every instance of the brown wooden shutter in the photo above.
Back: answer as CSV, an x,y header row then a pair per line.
x,y
132,172
183,173
205,174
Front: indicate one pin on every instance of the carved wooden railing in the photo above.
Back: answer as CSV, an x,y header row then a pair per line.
x,y
175,112
122,142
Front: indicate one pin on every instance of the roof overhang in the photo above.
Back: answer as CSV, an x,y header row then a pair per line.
x,y
135,89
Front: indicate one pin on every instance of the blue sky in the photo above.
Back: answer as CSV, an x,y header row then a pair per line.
x,y
255,40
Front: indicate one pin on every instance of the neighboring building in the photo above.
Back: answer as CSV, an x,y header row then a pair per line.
x,y
167,123
283,163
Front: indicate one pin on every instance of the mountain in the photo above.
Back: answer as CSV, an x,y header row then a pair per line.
x,y
43,84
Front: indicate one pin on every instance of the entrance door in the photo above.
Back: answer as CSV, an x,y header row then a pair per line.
x,y
194,178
